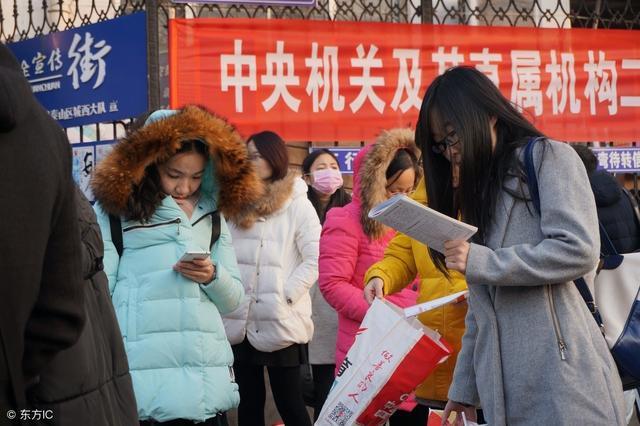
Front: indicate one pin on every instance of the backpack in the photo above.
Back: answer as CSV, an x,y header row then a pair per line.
x,y
616,307
116,231
634,205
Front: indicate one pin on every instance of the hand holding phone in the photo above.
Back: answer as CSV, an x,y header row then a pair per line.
x,y
190,256
196,266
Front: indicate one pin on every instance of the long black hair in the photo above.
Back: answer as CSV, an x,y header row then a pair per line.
x,y
274,150
337,199
468,101
148,194
403,159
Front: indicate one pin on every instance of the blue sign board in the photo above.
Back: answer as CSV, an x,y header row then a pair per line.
x,y
346,157
91,74
618,160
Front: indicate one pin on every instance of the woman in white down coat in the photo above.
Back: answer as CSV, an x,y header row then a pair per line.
x,y
276,243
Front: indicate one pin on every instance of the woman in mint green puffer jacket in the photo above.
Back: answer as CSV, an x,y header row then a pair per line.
x,y
165,182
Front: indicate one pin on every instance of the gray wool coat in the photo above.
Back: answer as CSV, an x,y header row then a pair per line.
x,y
322,347
532,354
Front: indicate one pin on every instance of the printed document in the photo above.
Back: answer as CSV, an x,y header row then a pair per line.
x,y
421,222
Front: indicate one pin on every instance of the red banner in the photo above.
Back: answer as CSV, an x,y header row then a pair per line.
x,y
346,81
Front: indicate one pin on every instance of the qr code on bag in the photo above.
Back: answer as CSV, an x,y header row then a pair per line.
x,y
340,414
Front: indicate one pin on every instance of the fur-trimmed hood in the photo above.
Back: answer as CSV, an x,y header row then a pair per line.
x,y
235,182
371,177
276,196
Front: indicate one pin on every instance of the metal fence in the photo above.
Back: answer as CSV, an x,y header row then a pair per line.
x,y
24,19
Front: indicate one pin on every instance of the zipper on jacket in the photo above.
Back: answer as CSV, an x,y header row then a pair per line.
x,y
204,216
562,346
153,225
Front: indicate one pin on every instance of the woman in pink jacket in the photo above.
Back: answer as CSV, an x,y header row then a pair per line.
x,y
351,242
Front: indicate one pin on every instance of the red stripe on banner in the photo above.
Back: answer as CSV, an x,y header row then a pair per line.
x,y
413,369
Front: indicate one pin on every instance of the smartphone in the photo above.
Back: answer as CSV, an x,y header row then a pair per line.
x,y
193,255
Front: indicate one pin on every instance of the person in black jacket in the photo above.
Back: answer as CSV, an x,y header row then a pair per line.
x,y
41,288
615,209
89,383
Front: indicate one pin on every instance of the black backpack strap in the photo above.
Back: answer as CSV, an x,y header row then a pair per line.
x,y
634,204
606,245
583,288
532,183
215,228
116,233
530,170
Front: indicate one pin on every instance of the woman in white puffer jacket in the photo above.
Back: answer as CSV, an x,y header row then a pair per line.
x,y
276,243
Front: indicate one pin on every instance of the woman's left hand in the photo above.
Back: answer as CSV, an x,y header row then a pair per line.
x,y
458,408
202,271
456,253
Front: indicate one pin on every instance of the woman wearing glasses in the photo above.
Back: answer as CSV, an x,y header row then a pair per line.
x,y
351,241
404,259
276,244
532,353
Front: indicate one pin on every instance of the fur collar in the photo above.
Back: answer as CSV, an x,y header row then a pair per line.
x,y
372,173
125,166
275,196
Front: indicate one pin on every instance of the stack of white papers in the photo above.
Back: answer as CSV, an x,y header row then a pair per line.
x,y
421,223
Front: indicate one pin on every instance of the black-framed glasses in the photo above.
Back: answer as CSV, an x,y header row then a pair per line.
x,y
447,142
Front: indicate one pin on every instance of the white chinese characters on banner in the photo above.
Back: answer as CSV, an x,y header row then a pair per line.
x,y
619,160
603,158
366,81
525,72
487,64
38,63
447,60
55,60
409,80
563,81
238,80
626,160
86,64
25,68
88,61
537,77
280,79
83,110
602,82
323,75
349,158
630,101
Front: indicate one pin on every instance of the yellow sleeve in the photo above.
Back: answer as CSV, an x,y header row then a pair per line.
x,y
398,266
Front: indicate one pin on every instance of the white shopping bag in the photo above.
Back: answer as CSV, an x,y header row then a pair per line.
x,y
391,356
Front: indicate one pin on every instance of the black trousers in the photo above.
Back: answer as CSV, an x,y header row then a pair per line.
x,y
287,393
418,417
219,420
323,375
